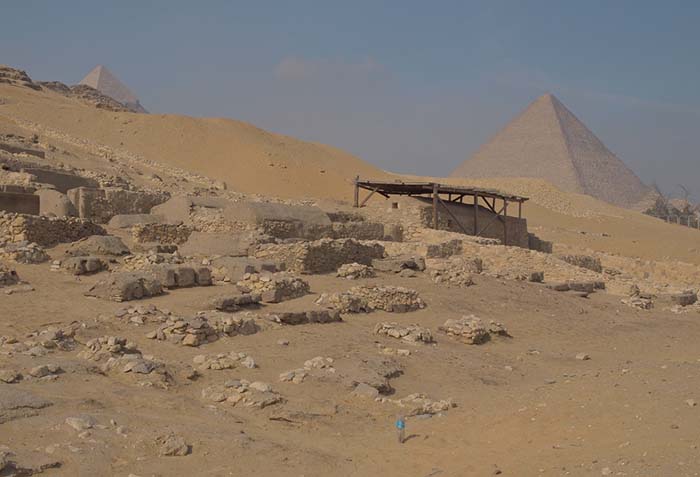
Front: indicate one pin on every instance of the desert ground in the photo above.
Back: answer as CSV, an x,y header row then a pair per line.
x,y
250,321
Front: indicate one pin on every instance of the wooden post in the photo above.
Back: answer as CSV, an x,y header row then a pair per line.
x,y
435,206
357,191
476,214
505,220
520,209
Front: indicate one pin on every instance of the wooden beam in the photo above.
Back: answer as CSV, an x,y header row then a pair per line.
x,y
497,217
476,214
364,201
520,209
453,217
505,222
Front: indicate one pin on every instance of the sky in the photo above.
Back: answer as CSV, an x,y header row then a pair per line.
x,y
410,86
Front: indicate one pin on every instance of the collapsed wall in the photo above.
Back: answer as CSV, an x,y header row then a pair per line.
x,y
320,256
45,231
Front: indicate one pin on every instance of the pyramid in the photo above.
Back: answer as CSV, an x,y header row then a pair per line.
x,y
547,141
106,83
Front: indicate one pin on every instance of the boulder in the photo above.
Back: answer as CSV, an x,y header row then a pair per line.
x,y
98,245
125,287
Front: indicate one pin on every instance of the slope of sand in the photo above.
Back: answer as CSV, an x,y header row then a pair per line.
x,y
247,158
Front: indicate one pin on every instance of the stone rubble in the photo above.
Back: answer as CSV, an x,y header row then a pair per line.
x,y
81,265
419,404
221,361
471,330
112,352
185,331
24,252
274,288
7,276
234,392
413,334
354,271
305,317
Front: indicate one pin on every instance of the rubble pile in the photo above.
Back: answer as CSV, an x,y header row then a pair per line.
x,y
353,271
305,317
234,392
221,361
185,331
413,334
419,404
181,276
471,330
274,288
41,342
113,352
24,252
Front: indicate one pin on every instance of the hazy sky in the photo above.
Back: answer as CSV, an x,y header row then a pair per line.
x,y
411,86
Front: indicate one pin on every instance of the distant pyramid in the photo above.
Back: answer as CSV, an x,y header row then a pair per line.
x,y
106,83
547,141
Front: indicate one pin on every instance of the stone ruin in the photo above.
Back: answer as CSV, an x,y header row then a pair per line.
x,y
100,205
242,392
584,261
113,352
320,256
370,298
45,231
24,252
354,271
161,233
274,288
471,330
412,334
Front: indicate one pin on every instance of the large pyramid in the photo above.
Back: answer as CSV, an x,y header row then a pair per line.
x,y
106,83
547,141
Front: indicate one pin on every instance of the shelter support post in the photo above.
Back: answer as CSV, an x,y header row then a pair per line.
x,y
435,204
357,191
476,214
505,220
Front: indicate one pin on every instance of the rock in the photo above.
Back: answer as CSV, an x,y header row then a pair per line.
x,y
305,317
536,277
83,265
354,271
126,286
172,445
274,288
583,356
235,301
686,298
410,333
81,423
397,264
9,376
98,245
44,370
468,329
560,287
15,404
691,402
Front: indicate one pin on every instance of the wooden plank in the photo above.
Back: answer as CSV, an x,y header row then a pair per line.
x,y
476,214
364,201
357,191
453,216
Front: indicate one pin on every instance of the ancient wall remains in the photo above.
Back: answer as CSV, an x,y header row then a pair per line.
x,y
100,205
320,256
45,231
161,233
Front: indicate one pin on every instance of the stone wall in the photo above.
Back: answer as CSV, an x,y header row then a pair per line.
x,y
100,205
320,256
45,231
161,233
21,203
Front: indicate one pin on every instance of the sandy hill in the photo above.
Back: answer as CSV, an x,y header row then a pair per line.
x,y
547,141
248,159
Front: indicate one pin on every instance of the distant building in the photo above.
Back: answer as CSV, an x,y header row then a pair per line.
x,y
106,83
